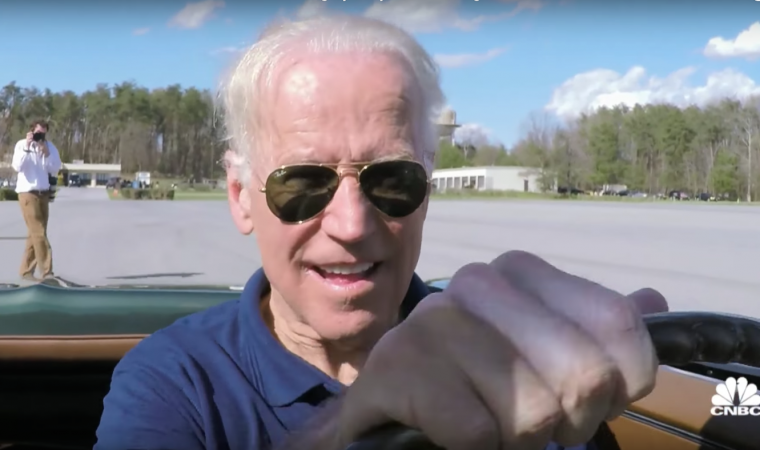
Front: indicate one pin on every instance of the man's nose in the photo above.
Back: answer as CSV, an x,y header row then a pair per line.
x,y
350,217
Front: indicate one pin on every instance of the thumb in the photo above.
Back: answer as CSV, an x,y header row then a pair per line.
x,y
649,301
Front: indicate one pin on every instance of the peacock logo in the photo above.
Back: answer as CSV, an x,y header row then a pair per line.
x,y
736,397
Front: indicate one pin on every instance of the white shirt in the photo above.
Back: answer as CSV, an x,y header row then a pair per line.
x,y
33,167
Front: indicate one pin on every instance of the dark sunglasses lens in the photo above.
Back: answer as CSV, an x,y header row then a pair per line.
x,y
298,193
397,188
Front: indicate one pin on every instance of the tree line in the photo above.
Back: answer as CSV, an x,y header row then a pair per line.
x,y
652,148
176,132
649,148
172,131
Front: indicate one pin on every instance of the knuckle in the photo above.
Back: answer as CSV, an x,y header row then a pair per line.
x,y
620,316
480,431
543,413
644,382
517,258
436,307
470,271
594,383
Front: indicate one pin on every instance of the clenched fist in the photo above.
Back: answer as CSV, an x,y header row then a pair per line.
x,y
513,354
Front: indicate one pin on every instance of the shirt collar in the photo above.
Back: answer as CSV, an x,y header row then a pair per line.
x,y
281,376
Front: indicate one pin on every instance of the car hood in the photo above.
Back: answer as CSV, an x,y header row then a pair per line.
x,y
59,282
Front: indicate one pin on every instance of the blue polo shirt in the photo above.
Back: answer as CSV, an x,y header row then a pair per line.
x,y
218,380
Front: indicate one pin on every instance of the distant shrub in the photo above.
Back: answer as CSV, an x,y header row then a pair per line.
x,y
7,194
147,194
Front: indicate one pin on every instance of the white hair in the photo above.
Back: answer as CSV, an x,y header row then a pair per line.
x,y
241,89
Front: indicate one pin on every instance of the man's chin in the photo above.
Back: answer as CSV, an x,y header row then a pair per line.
x,y
354,330
350,312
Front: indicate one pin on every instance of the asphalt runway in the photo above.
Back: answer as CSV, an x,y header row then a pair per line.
x,y
702,257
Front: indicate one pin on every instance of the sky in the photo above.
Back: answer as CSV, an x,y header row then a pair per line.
x,y
502,61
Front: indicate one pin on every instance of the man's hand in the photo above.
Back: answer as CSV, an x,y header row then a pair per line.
x,y
513,354
29,139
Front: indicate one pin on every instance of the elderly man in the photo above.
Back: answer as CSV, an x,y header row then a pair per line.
x,y
36,160
331,147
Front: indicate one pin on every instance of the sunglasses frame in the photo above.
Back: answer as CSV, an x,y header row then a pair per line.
x,y
357,168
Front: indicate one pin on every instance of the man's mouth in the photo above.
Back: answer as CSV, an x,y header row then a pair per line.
x,y
346,274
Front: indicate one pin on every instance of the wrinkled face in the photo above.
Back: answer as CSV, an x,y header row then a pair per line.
x,y
337,109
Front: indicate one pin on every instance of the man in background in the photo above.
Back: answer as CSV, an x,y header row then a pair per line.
x,y
36,159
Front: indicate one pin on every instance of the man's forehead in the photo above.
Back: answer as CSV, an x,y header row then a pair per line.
x,y
301,76
300,81
341,108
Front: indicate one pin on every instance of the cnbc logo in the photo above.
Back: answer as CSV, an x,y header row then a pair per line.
x,y
736,397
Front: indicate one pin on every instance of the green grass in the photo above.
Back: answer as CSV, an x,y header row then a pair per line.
x,y
200,195
183,195
189,194
517,195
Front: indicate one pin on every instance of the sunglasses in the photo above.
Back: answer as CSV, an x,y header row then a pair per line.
x,y
300,192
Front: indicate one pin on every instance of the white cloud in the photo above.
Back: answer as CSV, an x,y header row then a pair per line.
x,y
745,45
526,5
227,50
140,31
311,8
428,16
473,134
467,59
193,15
231,49
588,91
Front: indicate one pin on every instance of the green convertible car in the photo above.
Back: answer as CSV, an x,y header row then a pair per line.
x,y
59,346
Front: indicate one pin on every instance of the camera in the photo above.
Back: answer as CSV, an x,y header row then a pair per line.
x,y
38,137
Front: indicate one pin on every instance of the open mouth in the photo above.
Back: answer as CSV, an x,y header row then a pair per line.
x,y
346,274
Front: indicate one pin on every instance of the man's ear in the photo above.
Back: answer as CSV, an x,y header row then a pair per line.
x,y
238,196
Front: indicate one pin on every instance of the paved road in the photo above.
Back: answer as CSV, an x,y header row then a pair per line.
x,y
703,257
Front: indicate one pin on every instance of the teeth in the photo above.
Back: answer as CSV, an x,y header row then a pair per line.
x,y
349,269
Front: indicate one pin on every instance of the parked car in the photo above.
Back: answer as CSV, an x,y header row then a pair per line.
x,y
706,197
678,195
75,181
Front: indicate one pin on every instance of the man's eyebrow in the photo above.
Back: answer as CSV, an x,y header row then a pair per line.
x,y
401,152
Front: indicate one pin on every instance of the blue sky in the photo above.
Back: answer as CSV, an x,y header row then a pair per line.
x,y
502,60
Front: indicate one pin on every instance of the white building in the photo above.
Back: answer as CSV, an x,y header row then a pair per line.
x,y
89,174
487,178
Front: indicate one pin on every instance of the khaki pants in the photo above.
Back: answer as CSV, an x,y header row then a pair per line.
x,y
37,253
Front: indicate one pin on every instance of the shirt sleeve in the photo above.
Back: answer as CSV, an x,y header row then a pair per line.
x,y
53,162
21,158
147,407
